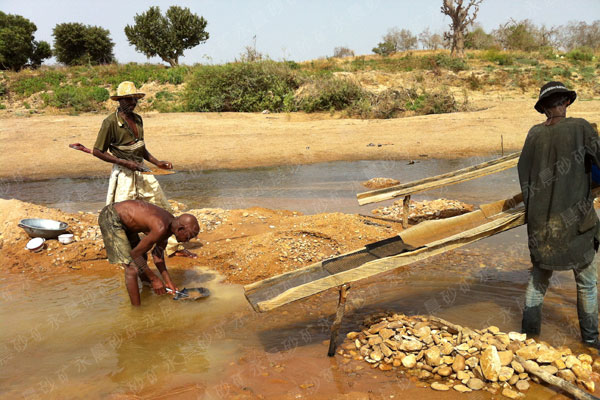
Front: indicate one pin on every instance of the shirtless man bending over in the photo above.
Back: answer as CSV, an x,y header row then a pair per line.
x,y
120,224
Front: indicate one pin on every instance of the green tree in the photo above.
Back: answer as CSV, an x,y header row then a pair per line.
x,y
76,44
166,36
18,48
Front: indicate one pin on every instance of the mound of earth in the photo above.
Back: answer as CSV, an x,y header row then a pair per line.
x,y
424,210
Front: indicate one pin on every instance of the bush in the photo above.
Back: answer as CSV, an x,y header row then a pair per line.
x,y
241,87
45,80
329,94
498,57
580,54
77,98
445,61
77,44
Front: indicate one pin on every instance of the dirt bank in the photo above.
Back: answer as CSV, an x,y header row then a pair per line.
x,y
36,147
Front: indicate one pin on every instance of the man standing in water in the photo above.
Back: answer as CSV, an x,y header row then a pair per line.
x,y
122,133
562,225
120,224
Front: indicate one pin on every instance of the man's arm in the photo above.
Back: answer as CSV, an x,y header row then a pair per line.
x,y
158,256
106,156
160,164
140,261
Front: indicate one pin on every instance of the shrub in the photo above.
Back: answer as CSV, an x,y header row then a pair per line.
x,y
330,94
242,87
77,98
498,57
30,84
445,61
580,54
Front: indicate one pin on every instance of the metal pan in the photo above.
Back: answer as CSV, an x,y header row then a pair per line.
x,y
44,228
190,293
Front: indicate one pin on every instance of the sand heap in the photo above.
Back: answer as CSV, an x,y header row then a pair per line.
x,y
452,357
425,210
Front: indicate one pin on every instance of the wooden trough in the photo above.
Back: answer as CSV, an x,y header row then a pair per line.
x,y
417,243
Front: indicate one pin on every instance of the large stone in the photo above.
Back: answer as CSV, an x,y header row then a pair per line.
x,y
411,345
459,363
513,379
517,367
547,356
444,371
505,374
385,367
377,327
461,388
585,358
590,385
424,375
559,363
494,330
446,348
373,340
409,361
439,386
386,350
517,336
433,356
462,375
472,362
551,369
352,335
522,386
581,372
490,363
505,357
511,394
567,375
475,384
421,331
596,364
528,352
386,333
376,355
463,347
571,361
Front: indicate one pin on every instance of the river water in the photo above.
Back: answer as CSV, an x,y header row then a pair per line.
x,y
75,337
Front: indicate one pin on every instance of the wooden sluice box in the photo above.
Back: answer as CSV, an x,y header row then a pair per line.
x,y
417,243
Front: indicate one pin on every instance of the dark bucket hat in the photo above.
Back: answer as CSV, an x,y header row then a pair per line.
x,y
551,88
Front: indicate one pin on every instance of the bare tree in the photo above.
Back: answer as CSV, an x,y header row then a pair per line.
x,y
343,51
462,16
430,41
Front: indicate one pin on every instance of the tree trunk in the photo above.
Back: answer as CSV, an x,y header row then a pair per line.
x,y
458,44
173,62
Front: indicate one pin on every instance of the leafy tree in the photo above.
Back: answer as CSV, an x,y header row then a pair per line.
x,y
522,35
462,17
76,44
396,40
18,48
166,36
479,39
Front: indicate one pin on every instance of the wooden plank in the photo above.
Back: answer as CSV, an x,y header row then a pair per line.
x,y
502,222
434,182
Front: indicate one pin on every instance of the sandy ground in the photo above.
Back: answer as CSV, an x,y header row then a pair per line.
x,y
36,147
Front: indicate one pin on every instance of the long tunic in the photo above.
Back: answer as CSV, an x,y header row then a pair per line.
x,y
555,177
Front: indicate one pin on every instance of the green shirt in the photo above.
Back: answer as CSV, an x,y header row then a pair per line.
x,y
555,177
115,132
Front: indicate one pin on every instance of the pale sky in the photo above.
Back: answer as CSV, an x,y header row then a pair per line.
x,y
289,29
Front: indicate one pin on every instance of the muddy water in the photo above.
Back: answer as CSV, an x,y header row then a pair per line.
x,y
315,188
69,337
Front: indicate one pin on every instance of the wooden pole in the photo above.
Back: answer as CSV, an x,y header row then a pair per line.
x,y
555,381
337,322
405,208
502,144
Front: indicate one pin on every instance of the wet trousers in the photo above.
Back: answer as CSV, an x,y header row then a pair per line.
x,y
587,301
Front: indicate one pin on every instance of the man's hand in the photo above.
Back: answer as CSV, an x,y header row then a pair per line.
x,y
171,286
164,165
132,165
158,286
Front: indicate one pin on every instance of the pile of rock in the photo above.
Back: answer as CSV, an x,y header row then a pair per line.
x,y
210,219
452,357
380,183
425,210
302,247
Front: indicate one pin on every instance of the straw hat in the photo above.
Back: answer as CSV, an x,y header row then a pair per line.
x,y
551,88
127,89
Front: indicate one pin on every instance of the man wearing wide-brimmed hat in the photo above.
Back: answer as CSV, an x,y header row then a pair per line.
x,y
122,133
562,226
